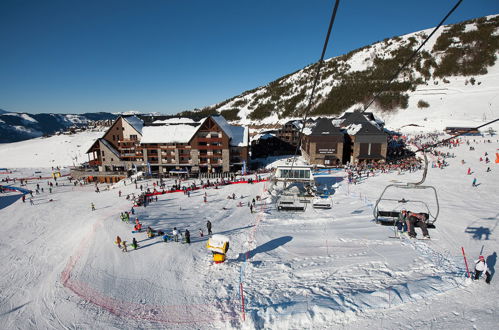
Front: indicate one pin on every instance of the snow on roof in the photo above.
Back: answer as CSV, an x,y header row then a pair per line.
x,y
239,135
110,147
337,122
135,122
309,128
353,129
168,133
224,125
263,136
175,121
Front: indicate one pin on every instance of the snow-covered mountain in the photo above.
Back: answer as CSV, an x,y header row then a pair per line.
x,y
16,126
456,69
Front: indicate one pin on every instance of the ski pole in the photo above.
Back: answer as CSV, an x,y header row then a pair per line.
x,y
465,262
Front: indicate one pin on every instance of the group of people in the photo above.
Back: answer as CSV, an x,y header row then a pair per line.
x,y
122,244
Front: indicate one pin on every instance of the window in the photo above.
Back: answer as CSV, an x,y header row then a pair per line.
x,y
102,151
133,137
112,159
113,137
202,143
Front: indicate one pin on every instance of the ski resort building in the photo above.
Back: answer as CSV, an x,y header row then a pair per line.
x,y
365,139
290,132
157,147
355,137
323,143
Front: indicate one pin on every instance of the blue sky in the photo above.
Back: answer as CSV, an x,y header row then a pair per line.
x,y
167,56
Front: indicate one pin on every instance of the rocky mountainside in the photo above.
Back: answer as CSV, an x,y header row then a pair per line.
x,y
462,54
17,126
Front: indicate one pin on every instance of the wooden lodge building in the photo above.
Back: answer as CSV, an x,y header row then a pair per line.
x,y
210,145
355,137
323,143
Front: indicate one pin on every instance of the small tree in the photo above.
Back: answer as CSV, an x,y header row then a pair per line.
x,y
423,104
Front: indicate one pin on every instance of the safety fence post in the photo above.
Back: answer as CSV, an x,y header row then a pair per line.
x,y
465,262
242,300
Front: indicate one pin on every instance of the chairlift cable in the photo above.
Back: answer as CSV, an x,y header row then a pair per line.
x,y
411,57
316,80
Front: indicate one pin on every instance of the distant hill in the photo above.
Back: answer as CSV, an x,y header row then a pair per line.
x,y
456,69
17,126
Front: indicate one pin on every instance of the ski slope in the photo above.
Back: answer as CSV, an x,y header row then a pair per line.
x,y
318,269
57,150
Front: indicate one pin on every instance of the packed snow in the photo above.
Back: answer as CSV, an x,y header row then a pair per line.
x,y
57,150
313,269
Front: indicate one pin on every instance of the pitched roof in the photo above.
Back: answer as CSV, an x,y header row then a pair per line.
x,y
239,135
355,117
324,126
135,122
110,147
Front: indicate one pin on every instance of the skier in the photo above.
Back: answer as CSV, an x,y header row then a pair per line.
x,y
118,241
473,184
133,210
417,219
480,268
251,208
31,201
119,193
402,222
187,236
93,206
469,170
150,232
124,246
208,226
201,234
175,234
24,199
134,244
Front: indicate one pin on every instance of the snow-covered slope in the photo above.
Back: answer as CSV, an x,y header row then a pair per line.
x,y
462,89
58,150
318,269
456,103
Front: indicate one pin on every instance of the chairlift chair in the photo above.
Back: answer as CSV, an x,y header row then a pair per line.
x,y
390,216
